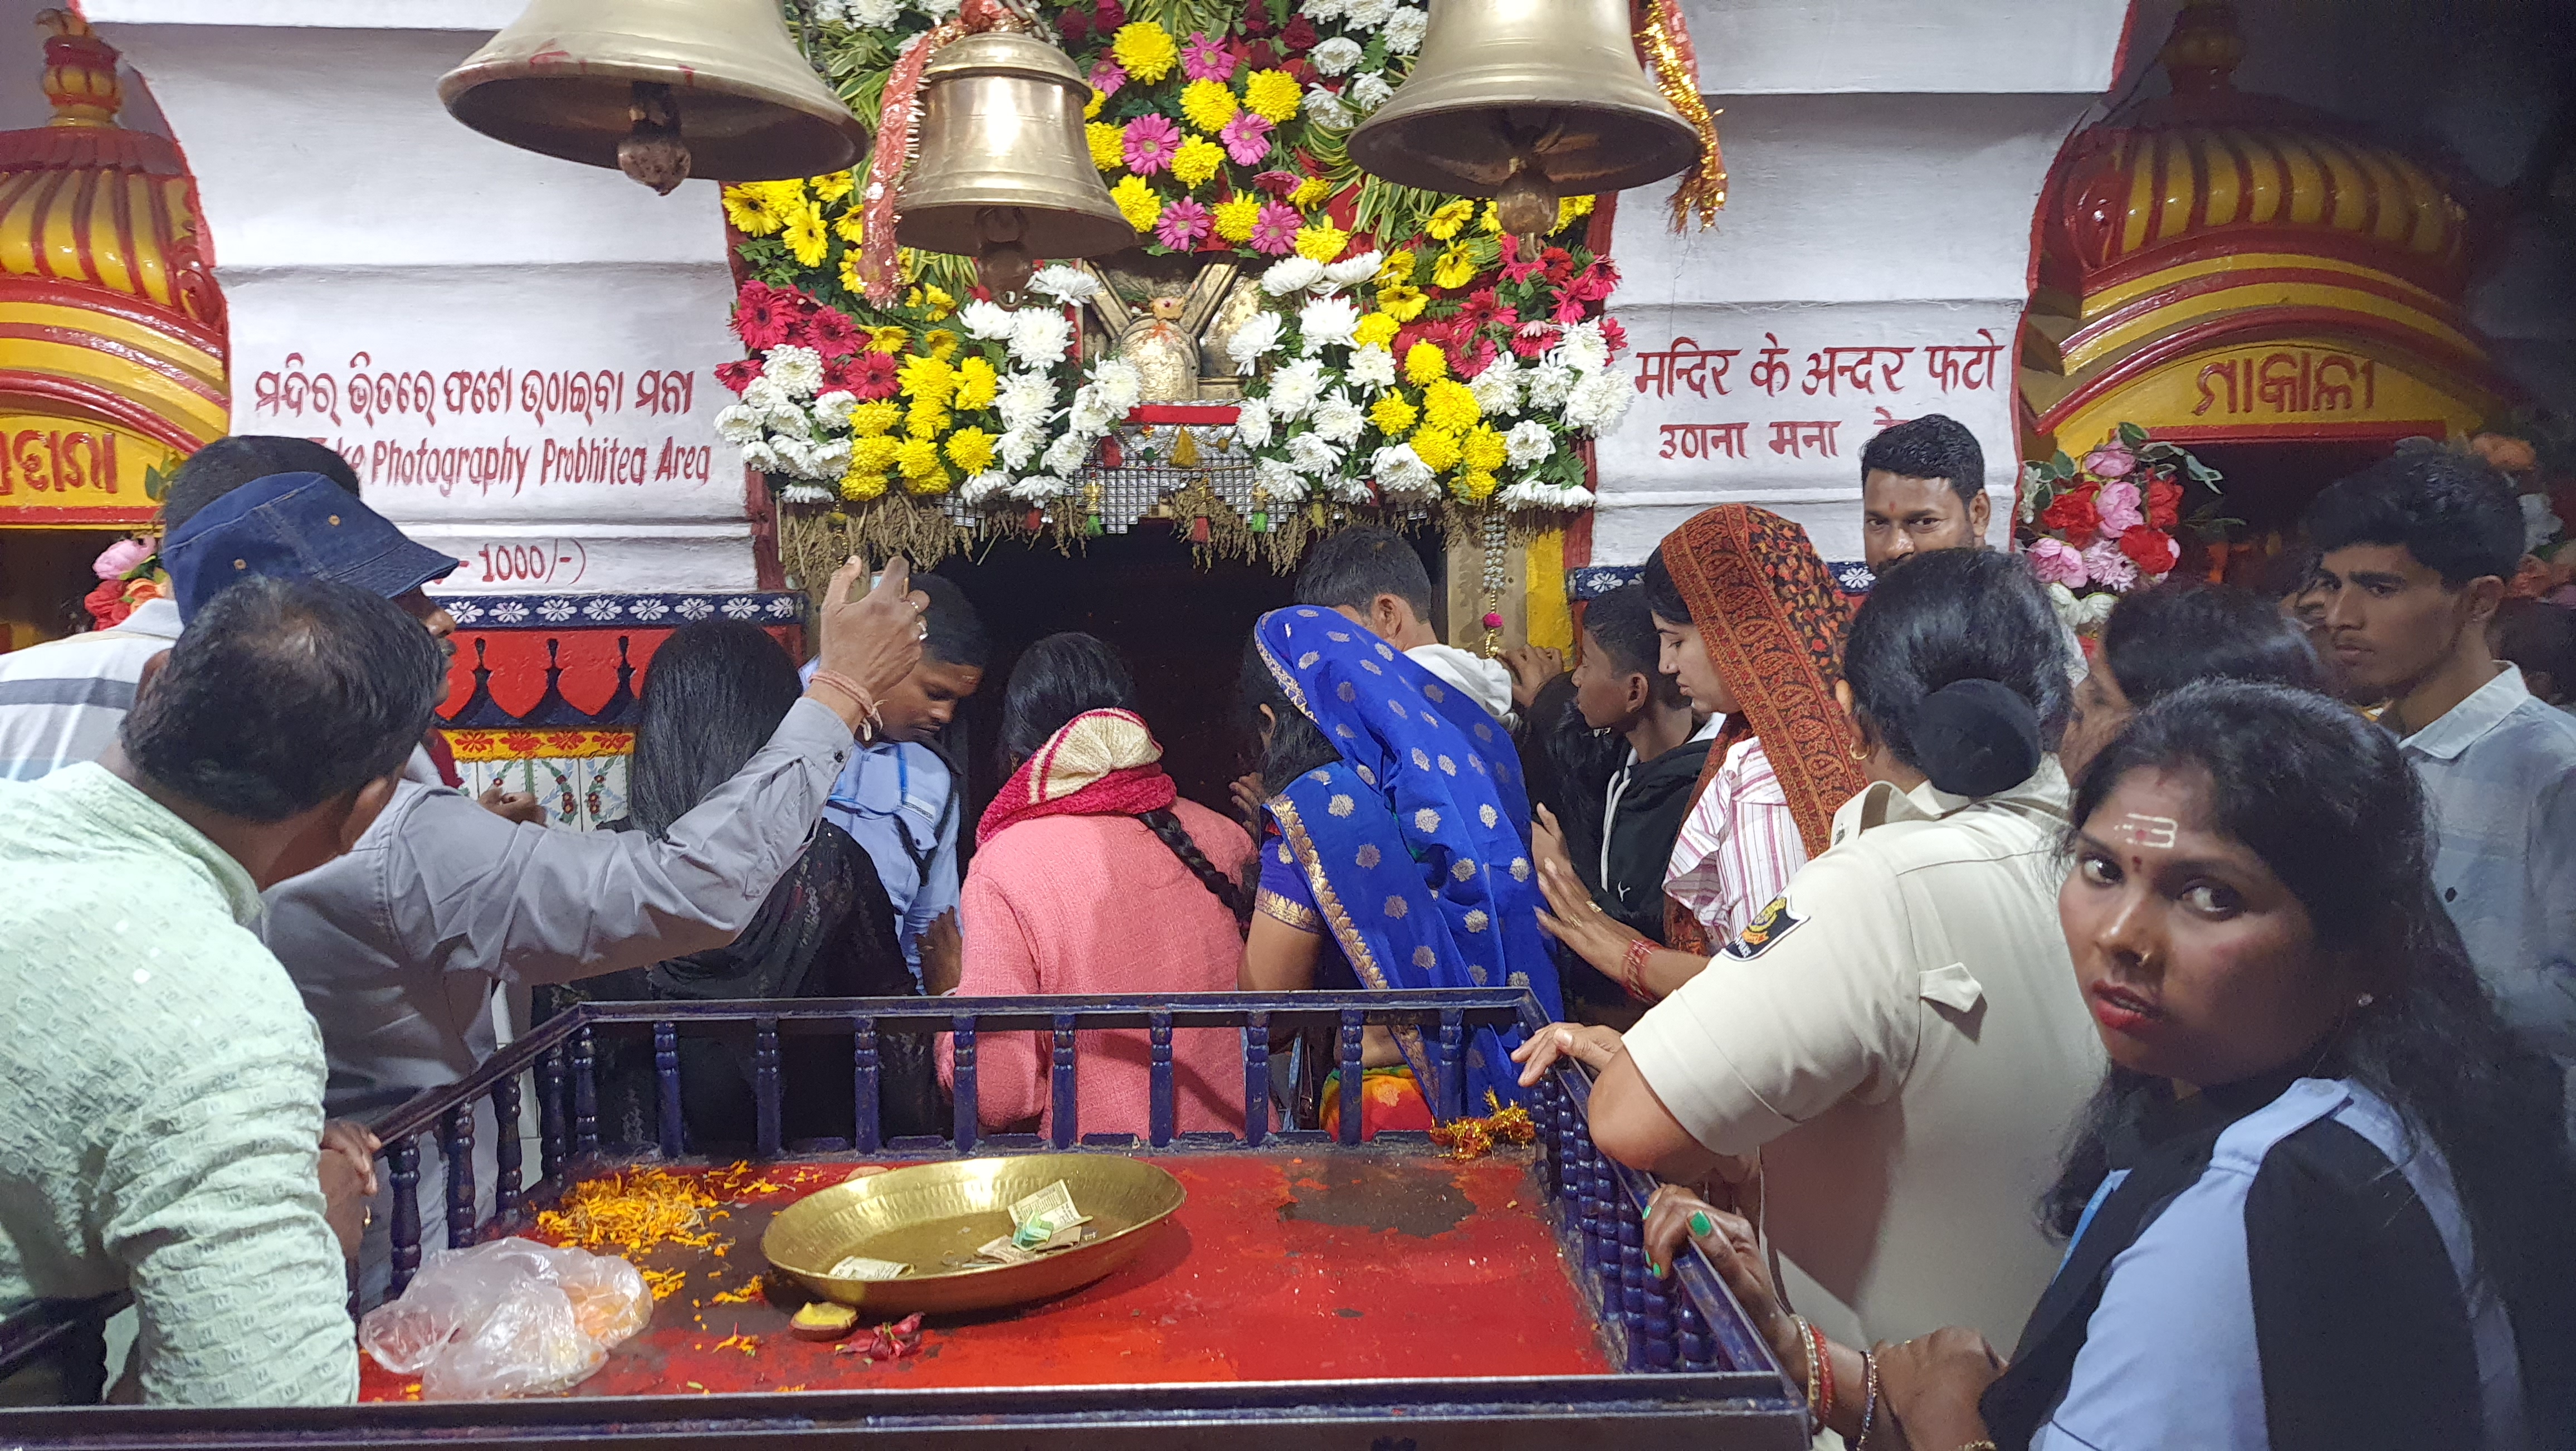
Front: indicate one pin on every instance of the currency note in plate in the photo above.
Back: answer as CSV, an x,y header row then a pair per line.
x,y
860,1267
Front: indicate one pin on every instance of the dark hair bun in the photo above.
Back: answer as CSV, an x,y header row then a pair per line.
x,y
1976,737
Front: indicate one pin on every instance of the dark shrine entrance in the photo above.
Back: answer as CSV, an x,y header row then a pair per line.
x,y
1181,628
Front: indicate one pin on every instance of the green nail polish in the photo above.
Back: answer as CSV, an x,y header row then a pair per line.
x,y
1654,1269
1701,1224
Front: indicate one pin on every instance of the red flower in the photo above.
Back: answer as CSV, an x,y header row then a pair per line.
x,y
1482,310
106,604
1569,307
1614,334
2164,503
1468,360
1261,55
1256,17
738,374
1074,26
764,316
1595,282
1535,338
829,331
1279,183
1558,264
1515,270
1108,15
867,377
2072,516
1298,36
2150,549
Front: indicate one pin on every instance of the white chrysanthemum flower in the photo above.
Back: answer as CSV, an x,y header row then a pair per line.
x,y
798,370
1066,456
1281,479
1548,383
873,14
832,410
1498,388
1039,336
1528,444
1338,419
986,322
1254,340
1372,367
983,487
1252,423
1324,12
1024,400
1294,389
1405,28
739,423
1291,275
1119,384
763,394
761,457
832,457
1368,93
1399,470
1354,270
1328,322
1040,489
1310,455
937,9
1065,283
1367,14
1338,56
831,12
805,494
789,421
1598,402
1090,417
1323,105
1017,446
1583,348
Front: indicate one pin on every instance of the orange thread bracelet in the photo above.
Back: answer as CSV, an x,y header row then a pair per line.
x,y
867,704
1632,968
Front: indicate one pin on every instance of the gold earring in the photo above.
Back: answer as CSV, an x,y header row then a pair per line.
x,y
1861,753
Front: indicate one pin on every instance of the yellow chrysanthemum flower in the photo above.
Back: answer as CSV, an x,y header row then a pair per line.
x,y
874,455
806,240
1438,448
1146,50
1397,268
1137,202
1321,241
1236,216
871,421
1455,269
925,419
851,281
858,488
1452,216
1273,94
891,338
971,449
1572,209
976,385
940,343
1474,486
934,482
1402,301
747,207
1208,105
924,376
1376,329
833,187
1484,449
1198,160
932,301
1108,145
1491,219
1425,363
1310,193
917,457
1450,406
1091,108
1392,415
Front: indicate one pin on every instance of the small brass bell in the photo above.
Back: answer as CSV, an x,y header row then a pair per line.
x,y
661,89
1003,174
1526,101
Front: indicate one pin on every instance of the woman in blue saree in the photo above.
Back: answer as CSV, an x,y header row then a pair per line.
x,y
1396,854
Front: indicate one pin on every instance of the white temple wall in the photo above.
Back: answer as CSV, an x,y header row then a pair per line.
x,y
513,351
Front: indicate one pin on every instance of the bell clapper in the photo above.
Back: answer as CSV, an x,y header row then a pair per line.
x,y
653,151
1002,264
1526,205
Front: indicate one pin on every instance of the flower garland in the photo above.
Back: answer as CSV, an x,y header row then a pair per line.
x,y
1406,357
2097,529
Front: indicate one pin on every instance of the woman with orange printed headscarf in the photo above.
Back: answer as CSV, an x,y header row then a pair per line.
x,y
1751,626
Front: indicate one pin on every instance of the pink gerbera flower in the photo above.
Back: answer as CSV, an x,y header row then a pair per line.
x,y
1108,76
1183,225
1246,138
1274,231
1151,142
1204,59
1514,269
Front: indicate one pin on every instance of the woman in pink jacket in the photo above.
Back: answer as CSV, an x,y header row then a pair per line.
x,y
1091,875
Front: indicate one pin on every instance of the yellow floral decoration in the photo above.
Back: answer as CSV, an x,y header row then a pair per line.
x,y
747,208
1198,160
1455,269
1450,219
1484,449
1137,202
1376,329
1146,50
1393,415
1450,406
806,240
1474,486
1108,145
1208,105
971,449
1425,363
872,420
1322,242
977,383
1236,216
833,187
1270,94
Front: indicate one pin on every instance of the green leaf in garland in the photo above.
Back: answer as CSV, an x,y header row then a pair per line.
x,y
2132,435
2060,466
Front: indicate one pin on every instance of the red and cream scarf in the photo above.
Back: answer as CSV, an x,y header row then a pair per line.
x,y
1100,763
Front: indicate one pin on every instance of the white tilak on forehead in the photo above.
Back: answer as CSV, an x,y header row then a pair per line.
x,y
2158,832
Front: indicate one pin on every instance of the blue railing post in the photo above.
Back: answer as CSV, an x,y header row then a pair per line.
x,y
867,1131
553,1146
1065,1117
1632,1265
962,1090
1160,1115
666,1087
405,1154
456,1143
1350,1070
585,1093
505,1150
1256,1078
764,1086
1452,1104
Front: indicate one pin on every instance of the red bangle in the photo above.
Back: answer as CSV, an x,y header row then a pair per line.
x,y
1823,1410
1632,969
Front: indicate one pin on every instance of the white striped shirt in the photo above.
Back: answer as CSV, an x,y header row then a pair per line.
x,y
1738,848
62,702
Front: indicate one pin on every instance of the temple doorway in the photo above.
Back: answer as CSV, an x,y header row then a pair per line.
x,y
1181,627
2267,484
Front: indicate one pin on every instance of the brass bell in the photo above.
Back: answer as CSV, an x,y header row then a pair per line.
x,y
1526,101
1003,174
661,89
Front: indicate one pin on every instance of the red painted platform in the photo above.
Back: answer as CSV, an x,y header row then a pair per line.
x,y
1282,1266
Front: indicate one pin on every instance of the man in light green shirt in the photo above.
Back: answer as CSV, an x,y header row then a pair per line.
x,y
161,1082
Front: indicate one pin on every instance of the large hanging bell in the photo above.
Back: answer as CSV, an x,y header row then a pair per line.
x,y
1003,174
661,89
1526,101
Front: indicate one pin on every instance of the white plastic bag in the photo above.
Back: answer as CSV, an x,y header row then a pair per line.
x,y
508,1318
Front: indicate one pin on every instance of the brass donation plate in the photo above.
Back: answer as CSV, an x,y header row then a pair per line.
x,y
934,1217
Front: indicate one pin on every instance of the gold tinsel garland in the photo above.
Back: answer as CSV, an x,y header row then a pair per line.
x,y
1667,44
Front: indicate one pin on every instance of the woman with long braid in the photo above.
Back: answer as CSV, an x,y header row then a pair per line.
x,y
1092,875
